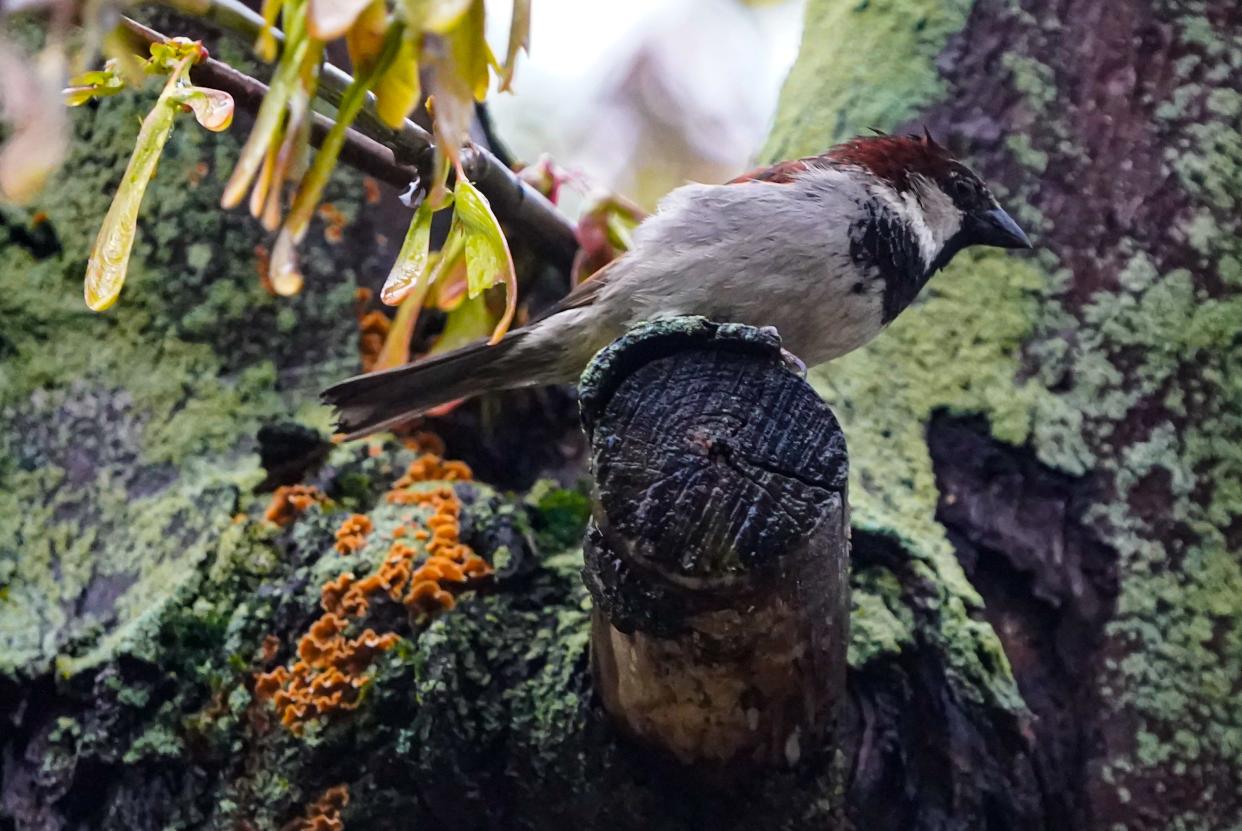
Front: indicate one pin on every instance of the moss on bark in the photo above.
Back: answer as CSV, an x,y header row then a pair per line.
x,y
1111,354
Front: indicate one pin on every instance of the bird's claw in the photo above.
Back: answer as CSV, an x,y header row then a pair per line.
x,y
793,362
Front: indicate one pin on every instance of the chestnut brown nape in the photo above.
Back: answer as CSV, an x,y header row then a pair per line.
x,y
895,158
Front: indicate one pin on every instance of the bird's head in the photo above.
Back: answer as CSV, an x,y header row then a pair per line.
x,y
946,203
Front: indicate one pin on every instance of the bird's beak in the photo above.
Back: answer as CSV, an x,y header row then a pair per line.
x,y
997,228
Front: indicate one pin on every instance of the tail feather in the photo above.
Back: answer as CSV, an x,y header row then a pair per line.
x,y
369,403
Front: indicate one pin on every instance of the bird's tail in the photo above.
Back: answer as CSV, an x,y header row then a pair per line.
x,y
369,403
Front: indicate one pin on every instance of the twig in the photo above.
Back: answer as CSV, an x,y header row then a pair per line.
x,y
519,206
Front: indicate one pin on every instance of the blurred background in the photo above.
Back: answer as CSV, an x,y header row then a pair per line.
x,y
640,96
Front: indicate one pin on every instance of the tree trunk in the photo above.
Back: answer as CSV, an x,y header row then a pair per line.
x,y
1068,418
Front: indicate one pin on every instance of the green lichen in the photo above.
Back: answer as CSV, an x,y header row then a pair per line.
x,y
958,349
880,624
1034,79
128,436
831,93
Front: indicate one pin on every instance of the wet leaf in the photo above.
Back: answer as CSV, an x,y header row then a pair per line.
x,y
397,92
365,38
396,349
411,270
109,260
167,56
310,189
265,45
329,19
283,272
212,108
519,41
488,261
95,84
299,50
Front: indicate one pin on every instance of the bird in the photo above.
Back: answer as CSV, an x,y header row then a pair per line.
x,y
828,249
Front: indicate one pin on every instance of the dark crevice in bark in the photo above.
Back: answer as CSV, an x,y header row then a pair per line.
x,y
512,438
1049,587
919,756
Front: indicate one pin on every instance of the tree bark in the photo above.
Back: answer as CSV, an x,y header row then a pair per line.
x,y
1068,418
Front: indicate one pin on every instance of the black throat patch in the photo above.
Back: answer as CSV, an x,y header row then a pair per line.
x,y
884,241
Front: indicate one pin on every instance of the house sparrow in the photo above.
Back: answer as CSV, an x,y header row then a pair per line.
x,y
827,249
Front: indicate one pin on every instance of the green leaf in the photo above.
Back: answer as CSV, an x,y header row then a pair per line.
x,y
466,324
488,261
265,45
436,15
99,83
396,348
109,260
282,271
620,225
310,189
287,162
167,56
410,271
298,50
398,90
365,37
472,57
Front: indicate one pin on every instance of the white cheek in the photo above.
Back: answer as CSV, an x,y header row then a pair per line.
x,y
923,230
940,216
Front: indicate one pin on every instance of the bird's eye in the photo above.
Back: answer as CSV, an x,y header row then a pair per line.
x,y
962,190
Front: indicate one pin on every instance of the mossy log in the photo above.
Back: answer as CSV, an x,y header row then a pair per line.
x,y
718,552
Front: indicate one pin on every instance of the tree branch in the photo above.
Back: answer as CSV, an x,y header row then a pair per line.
x,y
377,149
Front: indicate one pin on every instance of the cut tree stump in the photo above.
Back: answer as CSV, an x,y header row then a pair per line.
x,y
717,554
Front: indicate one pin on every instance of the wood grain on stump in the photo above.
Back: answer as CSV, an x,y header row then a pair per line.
x,y
717,555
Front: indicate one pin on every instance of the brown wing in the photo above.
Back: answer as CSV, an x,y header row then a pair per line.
x,y
781,173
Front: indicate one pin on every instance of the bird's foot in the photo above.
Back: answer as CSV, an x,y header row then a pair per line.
x,y
794,362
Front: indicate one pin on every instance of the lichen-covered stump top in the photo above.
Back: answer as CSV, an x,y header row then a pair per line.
x,y
717,555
